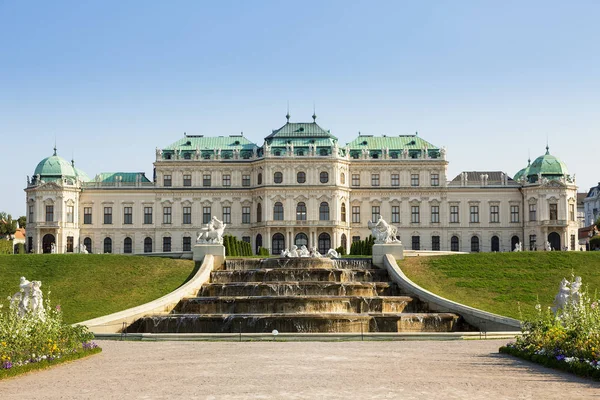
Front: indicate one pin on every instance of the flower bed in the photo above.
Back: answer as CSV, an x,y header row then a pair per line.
x,y
39,338
568,339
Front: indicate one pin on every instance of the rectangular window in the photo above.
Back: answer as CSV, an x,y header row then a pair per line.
x,y
147,215
226,180
572,242
245,215
553,212
49,213
206,215
396,214
533,212
414,180
246,239
87,215
435,214
355,214
532,242
166,244
375,213
494,214
70,214
167,214
514,213
187,243
454,219
187,180
227,215
355,180
435,180
206,180
395,179
187,215
127,215
474,213
167,180
572,213
108,215
30,214
355,239
374,179
435,243
414,214
245,180
416,242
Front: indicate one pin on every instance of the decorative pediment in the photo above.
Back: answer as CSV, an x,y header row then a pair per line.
x,y
375,202
277,198
552,199
415,202
247,202
187,203
49,186
324,198
300,198
49,201
226,203
70,202
532,200
206,203
166,202
434,202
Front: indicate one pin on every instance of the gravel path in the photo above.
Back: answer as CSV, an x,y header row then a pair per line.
x,y
300,370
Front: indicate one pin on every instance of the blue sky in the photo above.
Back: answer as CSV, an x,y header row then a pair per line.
x,y
491,81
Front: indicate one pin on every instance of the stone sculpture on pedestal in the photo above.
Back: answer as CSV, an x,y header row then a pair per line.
x,y
212,232
383,232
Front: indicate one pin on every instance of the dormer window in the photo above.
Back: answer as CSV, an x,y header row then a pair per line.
x,y
187,156
167,156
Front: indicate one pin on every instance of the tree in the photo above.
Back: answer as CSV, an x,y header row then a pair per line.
x,y
22,221
8,226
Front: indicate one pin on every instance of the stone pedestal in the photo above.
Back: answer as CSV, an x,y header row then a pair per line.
x,y
217,250
380,250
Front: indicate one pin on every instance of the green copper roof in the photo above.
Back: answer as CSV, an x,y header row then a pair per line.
x,y
523,172
126,177
410,142
300,130
548,166
301,142
54,166
191,143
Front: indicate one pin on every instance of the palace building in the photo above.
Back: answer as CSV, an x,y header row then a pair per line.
x,y
300,187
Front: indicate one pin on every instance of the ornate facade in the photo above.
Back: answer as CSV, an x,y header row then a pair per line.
x,y
300,187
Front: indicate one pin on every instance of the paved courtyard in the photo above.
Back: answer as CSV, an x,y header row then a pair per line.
x,y
296,370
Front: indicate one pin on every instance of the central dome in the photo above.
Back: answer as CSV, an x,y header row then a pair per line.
x,y
548,166
54,167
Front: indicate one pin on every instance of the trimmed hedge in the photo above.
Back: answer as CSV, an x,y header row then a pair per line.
x,y
263,252
363,247
235,247
6,246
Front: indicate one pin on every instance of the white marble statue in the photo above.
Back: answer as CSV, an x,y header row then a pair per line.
x,y
83,249
303,252
333,254
518,246
53,248
568,292
574,294
548,246
383,232
28,299
212,232
37,300
314,253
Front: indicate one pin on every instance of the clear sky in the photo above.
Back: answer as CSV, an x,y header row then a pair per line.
x,y
112,80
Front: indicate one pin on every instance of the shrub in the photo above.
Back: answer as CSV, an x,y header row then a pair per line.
x,y
341,251
595,242
6,246
263,252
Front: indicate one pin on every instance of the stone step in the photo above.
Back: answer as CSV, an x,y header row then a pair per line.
x,y
304,263
365,289
300,274
301,323
297,304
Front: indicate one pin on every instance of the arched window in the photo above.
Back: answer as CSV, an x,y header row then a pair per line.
x,y
301,212
277,177
454,244
258,242
324,243
513,242
301,240
278,244
148,245
301,177
278,212
87,242
495,243
343,178
127,246
324,177
343,212
258,212
107,245
324,212
259,179
474,244
344,243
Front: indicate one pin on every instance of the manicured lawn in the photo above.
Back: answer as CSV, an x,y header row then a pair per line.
x,y
503,282
91,285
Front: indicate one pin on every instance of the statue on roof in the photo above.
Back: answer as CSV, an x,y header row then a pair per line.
x,y
254,152
405,153
443,153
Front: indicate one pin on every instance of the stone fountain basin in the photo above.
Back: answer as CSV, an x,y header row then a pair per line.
x,y
365,289
298,262
297,304
297,323
300,274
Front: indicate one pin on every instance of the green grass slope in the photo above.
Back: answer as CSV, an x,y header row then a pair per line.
x,y
91,285
503,282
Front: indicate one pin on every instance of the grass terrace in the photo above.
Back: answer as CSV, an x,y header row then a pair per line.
x,y
503,282
92,285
